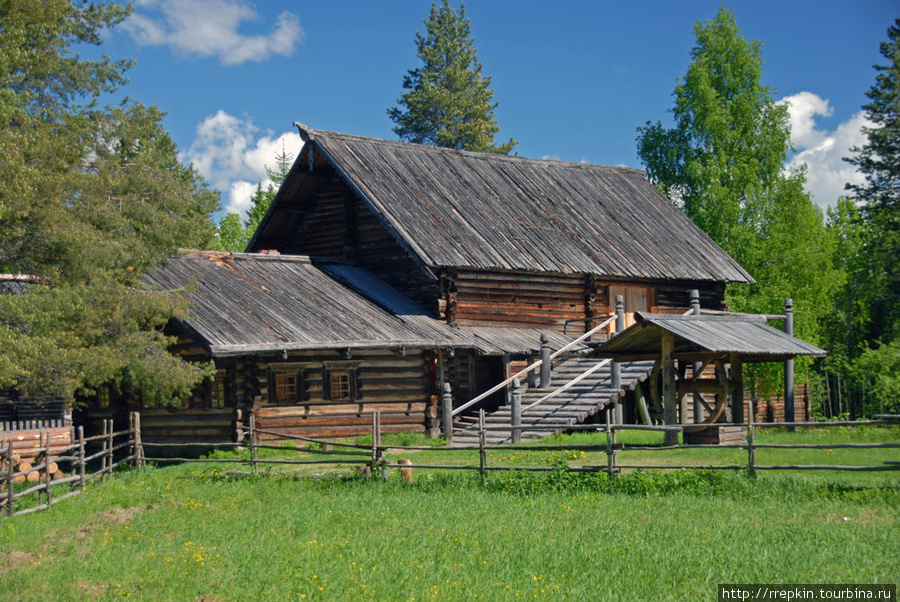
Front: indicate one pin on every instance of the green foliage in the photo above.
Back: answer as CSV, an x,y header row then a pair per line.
x,y
879,161
90,199
879,368
231,236
234,236
448,102
723,163
865,325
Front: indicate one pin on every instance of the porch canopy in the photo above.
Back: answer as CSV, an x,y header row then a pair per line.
x,y
677,342
698,338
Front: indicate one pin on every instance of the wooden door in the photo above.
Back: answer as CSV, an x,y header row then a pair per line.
x,y
637,298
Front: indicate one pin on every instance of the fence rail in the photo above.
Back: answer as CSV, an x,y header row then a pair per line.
x,y
17,492
47,472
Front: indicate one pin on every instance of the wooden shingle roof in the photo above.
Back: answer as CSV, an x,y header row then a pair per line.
x,y
258,303
454,208
255,303
747,336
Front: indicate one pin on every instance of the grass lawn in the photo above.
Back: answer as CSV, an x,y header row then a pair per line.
x,y
189,532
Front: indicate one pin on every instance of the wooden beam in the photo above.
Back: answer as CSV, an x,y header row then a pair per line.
x,y
668,385
737,392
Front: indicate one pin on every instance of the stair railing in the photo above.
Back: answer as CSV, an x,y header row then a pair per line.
x,y
568,385
519,375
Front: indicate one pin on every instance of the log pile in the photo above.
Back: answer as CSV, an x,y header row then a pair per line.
x,y
26,471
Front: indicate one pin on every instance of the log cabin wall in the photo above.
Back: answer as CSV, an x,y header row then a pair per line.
x,y
571,303
333,222
494,298
325,395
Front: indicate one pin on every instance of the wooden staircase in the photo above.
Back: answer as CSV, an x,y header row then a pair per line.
x,y
575,405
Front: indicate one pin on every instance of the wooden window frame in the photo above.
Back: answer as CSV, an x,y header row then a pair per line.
x,y
341,369
218,390
104,397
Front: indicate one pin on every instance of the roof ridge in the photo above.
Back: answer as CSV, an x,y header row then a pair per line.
x,y
308,133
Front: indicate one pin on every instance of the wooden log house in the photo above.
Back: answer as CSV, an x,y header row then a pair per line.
x,y
384,269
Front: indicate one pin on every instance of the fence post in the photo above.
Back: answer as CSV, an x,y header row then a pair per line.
x,y
138,442
103,450
609,451
253,451
81,457
110,446
545,361
47,467
11,470
789,364
751,450
447,411
482,442
379,453
516,411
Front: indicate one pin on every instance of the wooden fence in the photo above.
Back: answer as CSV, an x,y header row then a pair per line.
x,y
35,486
32,486
372,457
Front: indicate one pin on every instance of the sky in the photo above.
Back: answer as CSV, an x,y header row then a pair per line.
x,y
573,79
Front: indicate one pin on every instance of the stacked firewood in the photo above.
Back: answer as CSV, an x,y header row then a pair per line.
x,y
22,465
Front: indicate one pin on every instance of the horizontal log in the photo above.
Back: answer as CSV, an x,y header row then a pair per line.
x,y
319,421
171,420
224,431
272,412
352,431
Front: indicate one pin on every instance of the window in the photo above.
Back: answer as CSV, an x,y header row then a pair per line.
x,y
103,397
340,382
340,386
218,393
286,387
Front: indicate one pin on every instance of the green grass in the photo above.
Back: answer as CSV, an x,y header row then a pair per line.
x,y
189,532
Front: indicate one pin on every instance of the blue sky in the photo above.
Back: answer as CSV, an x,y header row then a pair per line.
x,y
574,79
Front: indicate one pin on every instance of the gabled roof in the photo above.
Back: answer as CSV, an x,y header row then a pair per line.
x,y
748,336
452,208
259,303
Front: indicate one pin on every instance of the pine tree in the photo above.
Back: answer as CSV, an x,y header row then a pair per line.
x,y
879,196
91,198
448,102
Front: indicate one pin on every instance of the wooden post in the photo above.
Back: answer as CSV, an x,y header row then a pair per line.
x,y
138,442
668,386
789,364
516,411
482,443
545,361
698,398
616,369
47,467
641,404
609,450
253,451
109,448
737,393
447,411
751,450
10,471
104,450
81,457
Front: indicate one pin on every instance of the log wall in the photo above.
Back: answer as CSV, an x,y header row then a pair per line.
x,y
571,303
403,389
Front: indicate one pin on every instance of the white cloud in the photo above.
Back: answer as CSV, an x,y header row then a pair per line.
x,y
232,154
206,28
823,151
